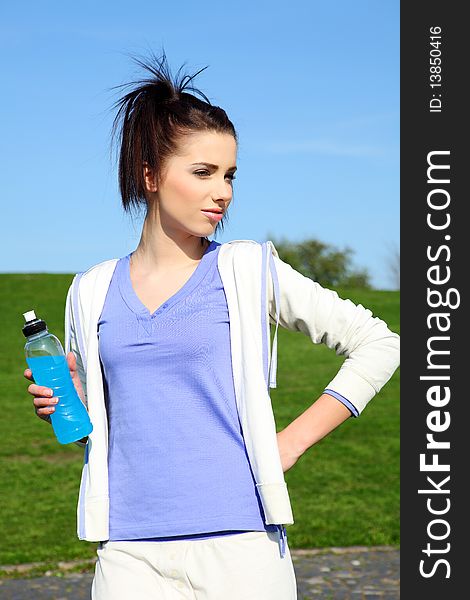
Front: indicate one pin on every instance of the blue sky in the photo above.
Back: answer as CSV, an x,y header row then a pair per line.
x,y
311,87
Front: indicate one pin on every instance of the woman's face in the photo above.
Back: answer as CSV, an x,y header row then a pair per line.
x,y
199,177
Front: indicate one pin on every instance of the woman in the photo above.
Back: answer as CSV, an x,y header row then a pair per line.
x,y
169,348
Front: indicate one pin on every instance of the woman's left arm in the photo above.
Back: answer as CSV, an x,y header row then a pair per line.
x,y
370,347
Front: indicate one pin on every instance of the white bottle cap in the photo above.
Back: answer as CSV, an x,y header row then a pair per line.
x,y
29,316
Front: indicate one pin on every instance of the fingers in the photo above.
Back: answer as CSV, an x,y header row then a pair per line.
x,y
28,374
40,390
44,407
43,401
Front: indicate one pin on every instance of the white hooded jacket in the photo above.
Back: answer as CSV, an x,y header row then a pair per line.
x,y
261,290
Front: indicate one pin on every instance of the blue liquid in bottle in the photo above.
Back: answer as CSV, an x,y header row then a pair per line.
x,y
46,359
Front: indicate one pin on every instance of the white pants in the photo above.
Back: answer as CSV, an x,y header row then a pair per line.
x,y
241,566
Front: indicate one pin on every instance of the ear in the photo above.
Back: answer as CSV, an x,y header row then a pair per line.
x,y
149,178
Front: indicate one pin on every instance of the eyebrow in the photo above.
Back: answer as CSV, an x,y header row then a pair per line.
x,y
213,166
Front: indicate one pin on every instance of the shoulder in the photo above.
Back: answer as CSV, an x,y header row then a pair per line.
x,y
102,270
241,242
244,248
240,254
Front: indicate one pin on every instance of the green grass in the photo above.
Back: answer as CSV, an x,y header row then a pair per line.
x,y
344,490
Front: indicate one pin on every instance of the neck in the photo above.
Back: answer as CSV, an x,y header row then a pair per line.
x,y
164,249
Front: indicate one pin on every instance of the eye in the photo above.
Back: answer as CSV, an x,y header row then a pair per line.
x,y
205,172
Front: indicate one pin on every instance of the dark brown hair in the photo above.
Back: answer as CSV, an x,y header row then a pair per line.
x,y
152,120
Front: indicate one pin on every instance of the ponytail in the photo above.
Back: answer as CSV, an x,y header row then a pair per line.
x,y
151,120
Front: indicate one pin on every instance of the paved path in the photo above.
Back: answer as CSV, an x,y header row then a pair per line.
x,y
355,573
347,574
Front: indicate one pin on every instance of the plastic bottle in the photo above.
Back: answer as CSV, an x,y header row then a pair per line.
x,y
46,359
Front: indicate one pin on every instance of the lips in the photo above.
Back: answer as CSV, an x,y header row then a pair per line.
x,y
214,215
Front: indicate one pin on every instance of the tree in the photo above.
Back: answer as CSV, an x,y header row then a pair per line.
x,y
324,263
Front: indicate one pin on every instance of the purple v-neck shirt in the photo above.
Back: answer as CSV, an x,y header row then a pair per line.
x,y
177,459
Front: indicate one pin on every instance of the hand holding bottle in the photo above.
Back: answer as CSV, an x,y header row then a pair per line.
x,y
52,372
43,401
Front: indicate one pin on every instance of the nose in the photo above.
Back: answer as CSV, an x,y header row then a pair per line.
x,y
223,193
